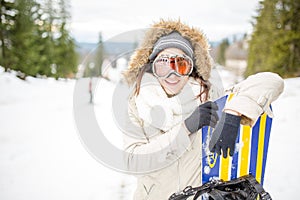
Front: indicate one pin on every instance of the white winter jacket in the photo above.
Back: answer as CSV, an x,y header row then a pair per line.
x,y
161,153
159,149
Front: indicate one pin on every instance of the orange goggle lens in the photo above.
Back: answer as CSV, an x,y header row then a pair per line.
x,y
180,65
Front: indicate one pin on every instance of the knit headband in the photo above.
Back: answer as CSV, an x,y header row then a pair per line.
x,y
172,40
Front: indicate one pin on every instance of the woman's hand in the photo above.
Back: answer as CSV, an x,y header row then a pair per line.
x,y
225,134
203,115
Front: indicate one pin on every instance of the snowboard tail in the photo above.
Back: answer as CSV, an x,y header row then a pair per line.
x,y
250,154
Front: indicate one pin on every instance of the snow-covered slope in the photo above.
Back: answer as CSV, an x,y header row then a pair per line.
x,y
282,172
42,157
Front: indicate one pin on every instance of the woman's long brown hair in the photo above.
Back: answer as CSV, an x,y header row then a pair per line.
x,y
204,84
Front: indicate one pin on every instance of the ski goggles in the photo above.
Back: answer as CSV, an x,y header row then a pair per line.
x,y
164,65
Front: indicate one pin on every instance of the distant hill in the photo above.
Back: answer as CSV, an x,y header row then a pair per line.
x,y
110,48
114,48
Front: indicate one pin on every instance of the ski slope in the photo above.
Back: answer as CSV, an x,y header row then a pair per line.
x,y
42,157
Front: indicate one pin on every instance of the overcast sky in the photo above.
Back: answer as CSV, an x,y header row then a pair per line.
x,y
216,18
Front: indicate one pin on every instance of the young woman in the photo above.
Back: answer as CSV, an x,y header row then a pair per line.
x,y
172,100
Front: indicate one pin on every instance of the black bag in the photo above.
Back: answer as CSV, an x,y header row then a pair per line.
x,y
243,188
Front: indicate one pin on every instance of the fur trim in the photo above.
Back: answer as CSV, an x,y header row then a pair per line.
x,y
203,60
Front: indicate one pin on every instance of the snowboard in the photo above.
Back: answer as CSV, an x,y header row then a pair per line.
x,y
250,154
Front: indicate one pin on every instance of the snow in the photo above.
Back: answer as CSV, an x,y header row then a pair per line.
x,y
282,172
42,156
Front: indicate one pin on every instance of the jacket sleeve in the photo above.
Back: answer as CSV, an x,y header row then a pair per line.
x,y
144,153
254,95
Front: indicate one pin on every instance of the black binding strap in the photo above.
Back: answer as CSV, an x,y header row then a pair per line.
x,y
243,188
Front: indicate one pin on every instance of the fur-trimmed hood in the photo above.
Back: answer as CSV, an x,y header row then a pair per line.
x,y
202,58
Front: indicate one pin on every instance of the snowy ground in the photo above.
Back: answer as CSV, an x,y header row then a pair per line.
x,y
42,157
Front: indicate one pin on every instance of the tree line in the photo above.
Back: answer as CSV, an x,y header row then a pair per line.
x,y
275,41
35,39
274,44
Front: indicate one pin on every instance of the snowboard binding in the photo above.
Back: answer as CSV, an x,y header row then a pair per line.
x,y
243,188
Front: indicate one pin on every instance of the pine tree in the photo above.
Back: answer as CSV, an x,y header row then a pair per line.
x,y
35,40
99,56
287,48
23,39
221,51
275,42
262,38
49,32
7,21
65,54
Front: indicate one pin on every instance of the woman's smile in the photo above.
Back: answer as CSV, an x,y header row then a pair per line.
x,y
172,82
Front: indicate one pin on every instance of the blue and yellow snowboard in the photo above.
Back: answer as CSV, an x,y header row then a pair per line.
x,y
250,153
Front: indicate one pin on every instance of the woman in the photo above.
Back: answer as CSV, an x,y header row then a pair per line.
x,y
172,100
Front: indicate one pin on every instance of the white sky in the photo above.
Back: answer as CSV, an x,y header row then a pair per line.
x,y
217,18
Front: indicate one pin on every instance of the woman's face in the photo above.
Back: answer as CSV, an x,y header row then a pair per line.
x,y
172,84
